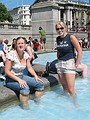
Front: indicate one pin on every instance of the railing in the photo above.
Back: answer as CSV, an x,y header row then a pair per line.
x,y
14,26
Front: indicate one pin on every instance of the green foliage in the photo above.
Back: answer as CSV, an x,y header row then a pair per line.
x,y
4,14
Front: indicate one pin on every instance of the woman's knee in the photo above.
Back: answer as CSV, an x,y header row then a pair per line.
x,y
39,86
25,91
71,91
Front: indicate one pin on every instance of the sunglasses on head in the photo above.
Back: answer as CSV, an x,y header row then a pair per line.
x,y
61,28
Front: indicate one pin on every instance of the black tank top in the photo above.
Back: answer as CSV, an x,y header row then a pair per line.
x,y
65,48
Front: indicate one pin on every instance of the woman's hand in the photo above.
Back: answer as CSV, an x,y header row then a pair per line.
x,y
22,83
37,78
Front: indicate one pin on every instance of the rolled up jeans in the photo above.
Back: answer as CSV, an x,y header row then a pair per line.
x,y
31,83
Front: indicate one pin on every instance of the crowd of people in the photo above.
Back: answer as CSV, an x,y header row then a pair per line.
x,y
20,55
85,42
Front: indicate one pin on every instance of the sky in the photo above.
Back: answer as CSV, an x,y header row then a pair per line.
x,y
15,3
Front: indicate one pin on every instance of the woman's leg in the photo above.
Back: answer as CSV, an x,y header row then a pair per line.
x,y
70,79
37,85
67,81
24,101
84,69
63,81
38,94
23,92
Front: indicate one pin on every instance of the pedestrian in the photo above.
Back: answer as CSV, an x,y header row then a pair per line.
x,y
42,38
30,42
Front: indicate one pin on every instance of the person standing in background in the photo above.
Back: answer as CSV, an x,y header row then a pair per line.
x,y
30,42
42,38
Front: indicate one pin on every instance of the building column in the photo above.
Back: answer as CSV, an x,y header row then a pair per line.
x,y
64,16
79,19
74,17
59,15
70,18
85,16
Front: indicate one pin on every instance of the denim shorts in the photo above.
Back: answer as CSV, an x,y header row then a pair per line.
x,y
31,83
67,66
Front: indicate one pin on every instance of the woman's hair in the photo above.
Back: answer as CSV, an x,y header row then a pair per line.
x,y
62,24
21,38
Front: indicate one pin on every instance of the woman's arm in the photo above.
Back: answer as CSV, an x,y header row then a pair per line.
x,y
30,52
8,72
77,48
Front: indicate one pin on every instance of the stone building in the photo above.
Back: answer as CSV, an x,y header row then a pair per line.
x,y
46,13
21,15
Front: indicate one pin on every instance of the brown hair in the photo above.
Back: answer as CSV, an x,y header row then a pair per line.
x,y
21,38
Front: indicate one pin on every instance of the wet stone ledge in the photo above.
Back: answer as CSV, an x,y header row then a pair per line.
x,y
6,95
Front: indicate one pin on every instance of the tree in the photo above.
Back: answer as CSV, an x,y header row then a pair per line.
x,y
4,14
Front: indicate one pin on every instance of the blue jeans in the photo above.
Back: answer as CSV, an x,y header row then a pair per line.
x,y
31,83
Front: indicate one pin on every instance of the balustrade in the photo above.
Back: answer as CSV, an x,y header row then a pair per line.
x,y
14,26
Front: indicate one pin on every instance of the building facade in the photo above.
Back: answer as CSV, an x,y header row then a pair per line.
x,y
46,13
21,15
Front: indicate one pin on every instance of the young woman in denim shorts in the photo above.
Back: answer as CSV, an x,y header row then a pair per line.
x,y
66,66
16,61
